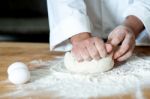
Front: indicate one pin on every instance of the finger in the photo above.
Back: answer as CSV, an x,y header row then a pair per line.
x,y
79,58
92,50
124,47
76,54
85,54
115,39
126,56
100,45
109,47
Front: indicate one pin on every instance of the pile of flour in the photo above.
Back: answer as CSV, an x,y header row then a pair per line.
x,y
129,76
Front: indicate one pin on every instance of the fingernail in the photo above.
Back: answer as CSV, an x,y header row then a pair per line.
x,y
108,48
109,51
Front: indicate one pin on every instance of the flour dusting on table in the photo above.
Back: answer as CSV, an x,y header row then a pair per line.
x,y
53,77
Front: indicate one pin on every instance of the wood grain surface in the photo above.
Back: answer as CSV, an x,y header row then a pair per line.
x,y
26,52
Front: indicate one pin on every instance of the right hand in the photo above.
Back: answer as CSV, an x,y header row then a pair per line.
x,y
85,47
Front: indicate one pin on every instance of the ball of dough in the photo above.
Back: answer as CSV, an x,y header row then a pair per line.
x,y
94,66
18,73
15,66
19,76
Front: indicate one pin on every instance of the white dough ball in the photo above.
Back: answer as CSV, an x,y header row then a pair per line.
x,y
18,73
19,76
93,66
15,66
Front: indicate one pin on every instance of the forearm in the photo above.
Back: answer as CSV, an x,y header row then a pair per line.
x,y
66,19
135,24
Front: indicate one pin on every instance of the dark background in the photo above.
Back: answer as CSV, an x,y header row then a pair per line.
x,y
24,21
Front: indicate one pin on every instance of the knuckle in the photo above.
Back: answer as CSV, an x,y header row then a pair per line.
x,y
97,39
100,43
87,42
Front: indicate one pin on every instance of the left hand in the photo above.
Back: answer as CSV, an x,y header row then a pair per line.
x,y
122,35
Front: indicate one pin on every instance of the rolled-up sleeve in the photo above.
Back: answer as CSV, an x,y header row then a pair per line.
x,y
140,9
66,18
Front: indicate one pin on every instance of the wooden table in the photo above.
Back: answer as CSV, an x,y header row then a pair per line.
x,y
26,52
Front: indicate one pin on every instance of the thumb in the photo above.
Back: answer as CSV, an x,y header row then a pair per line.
x,y
109,47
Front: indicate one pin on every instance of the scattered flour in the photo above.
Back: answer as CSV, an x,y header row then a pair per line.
x,y
53,77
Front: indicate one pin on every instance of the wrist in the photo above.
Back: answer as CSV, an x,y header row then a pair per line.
x,y
128,28
79,37
135,24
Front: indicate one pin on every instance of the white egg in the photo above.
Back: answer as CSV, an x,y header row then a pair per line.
x,y
18,73
19,76
16,65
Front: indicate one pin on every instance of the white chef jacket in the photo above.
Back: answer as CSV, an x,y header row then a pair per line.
x,y
98,17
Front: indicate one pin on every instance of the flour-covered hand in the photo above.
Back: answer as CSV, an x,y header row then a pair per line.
x,y
122,35
86,47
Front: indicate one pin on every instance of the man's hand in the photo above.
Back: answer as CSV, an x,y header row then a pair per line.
x,y
86,47
122,35
125,35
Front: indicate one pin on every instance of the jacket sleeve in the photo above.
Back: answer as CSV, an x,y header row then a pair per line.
x,y
140,9
66,18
